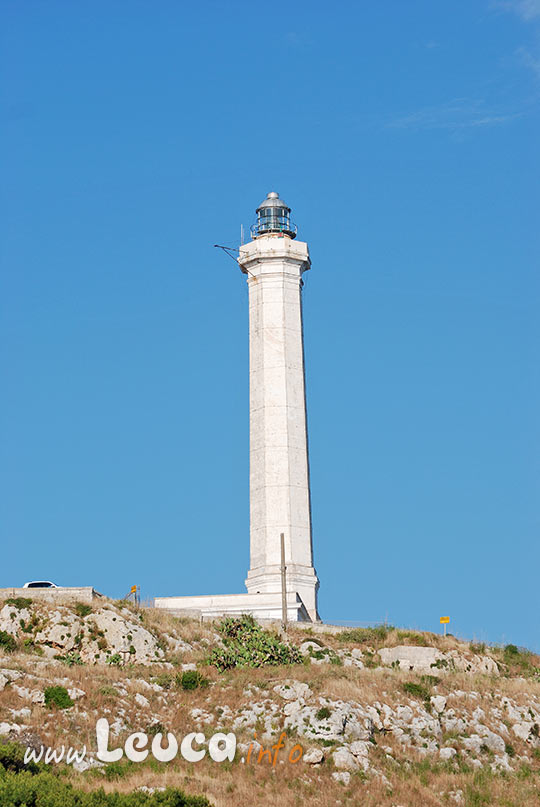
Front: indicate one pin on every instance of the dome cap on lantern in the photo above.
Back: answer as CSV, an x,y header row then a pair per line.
x,y
273,200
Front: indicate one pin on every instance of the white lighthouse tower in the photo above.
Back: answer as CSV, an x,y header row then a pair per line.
x,y
274,263
280,504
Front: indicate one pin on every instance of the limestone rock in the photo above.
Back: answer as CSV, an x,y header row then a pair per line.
x,y
473,743
343,777
523,730
426,659
87,763
293,690
306,647
60,632
292,707
421,659
202,716
10,618
10,675
178,645
146,789
472,663
447,753
9,728
492,740
313,757
344,760
404,714
438,702
151,686
23,713
243,749
123,634
34,695
360,748
501,763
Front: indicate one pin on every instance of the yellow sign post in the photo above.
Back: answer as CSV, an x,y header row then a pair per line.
x,y
135,594
444,620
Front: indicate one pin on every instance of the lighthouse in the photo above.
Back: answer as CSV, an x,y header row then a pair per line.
x,y
280,502
281,576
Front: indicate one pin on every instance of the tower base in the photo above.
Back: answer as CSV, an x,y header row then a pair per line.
x,y
300,579
266,605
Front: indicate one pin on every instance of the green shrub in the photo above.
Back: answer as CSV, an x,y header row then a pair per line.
x,y
325,654
7,642
70,659
82,609
378,633
29,646
19,602
323,713
519,656
249,645
522,659
164,680
371,660
116,660
413,637
156,728
479,648
49,790
421,690
108,691
192,679
429,680
117,770
441,664
12,758
416,690
57,696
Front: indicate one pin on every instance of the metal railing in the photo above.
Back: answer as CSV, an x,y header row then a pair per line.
x,y
272,225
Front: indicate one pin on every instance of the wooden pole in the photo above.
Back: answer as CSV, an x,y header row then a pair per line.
x,y
283,585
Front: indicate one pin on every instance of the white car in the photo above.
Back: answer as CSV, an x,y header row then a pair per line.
x,y
40,584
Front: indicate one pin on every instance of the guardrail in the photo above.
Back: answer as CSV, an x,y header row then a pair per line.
x,y
273,226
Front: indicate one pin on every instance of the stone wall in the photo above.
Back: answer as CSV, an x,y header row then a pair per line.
x,y
62,594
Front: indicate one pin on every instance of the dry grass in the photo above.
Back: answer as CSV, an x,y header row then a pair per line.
x,y
190,630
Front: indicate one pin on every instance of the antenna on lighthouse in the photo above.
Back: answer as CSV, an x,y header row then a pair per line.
x,y
241,235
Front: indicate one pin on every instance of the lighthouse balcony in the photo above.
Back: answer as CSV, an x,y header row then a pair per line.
x,y
273,227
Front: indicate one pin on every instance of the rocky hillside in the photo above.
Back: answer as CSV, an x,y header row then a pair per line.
x,y
373,717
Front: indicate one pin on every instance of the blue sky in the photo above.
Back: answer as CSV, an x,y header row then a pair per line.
x,y
405,138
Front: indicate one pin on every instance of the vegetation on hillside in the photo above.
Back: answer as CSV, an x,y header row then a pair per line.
x,y
247,644
36,785
49,790
263,692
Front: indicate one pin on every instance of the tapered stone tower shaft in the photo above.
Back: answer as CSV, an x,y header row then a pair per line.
x,y
279,466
